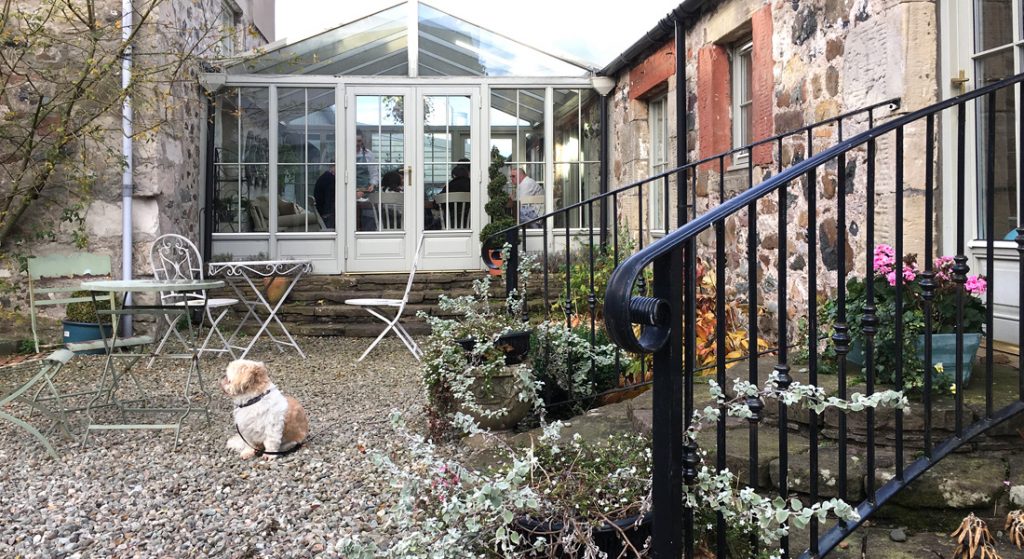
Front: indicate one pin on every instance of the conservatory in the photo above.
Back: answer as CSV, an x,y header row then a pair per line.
x,y
345,147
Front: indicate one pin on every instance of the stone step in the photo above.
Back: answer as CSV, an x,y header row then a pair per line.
x,y
962,482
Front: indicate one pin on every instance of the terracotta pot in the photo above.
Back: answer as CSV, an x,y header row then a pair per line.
x,y
495,256
273,288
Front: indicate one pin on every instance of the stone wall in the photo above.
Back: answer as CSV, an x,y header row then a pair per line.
x,y
169,119
826,57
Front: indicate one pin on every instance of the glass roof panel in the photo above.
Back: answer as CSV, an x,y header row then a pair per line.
x,y
377,45
453,47
373,46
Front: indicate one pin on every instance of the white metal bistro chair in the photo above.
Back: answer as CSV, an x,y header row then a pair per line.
x,y
175,257
454,208
380,308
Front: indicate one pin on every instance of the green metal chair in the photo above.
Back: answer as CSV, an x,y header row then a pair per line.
x,y
63,266
40,394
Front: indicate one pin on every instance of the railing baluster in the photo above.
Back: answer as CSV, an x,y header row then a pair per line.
x,y
841,338
812,326
990,237
592,296
928,276
546,271
869,321
898,327
720,324
668,205
960,268
1020,250
567,311
690,456
782,368
754,403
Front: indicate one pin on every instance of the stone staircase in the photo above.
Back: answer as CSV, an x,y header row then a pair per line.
x,y
316,307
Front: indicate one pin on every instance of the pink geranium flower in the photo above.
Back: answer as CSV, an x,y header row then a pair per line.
x,y
976,285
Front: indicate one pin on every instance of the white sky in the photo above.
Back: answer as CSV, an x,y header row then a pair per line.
x,y
574,27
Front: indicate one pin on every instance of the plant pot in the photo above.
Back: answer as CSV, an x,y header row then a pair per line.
x,y
943,351
496,259
273,288
606,537
515,345
86,332
499,392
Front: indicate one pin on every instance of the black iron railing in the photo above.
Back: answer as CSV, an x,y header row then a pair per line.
x,y
668,316
566,251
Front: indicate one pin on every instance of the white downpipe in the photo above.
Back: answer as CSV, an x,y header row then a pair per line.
x,y
127,181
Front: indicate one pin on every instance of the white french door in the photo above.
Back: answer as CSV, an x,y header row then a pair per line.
x,y
985,43
402,147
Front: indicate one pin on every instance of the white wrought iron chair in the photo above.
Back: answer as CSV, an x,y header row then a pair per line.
x,y
454,209
378,308
388,209
175,257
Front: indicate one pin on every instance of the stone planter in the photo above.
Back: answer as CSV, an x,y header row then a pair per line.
x,y
495,393
943,351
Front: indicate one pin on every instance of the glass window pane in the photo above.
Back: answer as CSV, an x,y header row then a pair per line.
x,y
226,130
255,123
291,128
990,68
321,115
567,125
374,45
255,193
993,24
323,179
590,133
450,46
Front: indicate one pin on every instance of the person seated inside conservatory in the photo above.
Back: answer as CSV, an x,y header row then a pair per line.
x,y
528,195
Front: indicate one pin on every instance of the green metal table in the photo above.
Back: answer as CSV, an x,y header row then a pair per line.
x,y
129,350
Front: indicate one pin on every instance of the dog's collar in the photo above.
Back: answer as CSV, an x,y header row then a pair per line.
x,y
252,401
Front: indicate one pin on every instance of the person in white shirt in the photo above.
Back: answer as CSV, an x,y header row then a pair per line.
x,y
527,188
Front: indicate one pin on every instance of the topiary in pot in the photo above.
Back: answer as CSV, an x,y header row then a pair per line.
x,y
497,206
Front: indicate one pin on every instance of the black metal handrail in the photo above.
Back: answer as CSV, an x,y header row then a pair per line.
x,y
668,320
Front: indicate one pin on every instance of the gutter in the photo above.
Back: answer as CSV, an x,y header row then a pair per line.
x,y
656,37
127,180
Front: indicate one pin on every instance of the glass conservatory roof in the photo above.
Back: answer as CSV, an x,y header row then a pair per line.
x,y
378,45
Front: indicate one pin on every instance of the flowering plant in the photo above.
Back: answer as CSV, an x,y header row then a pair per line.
x,y
887,270
467,352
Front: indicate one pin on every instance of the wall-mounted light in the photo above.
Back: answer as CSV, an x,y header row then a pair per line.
x,y
602,84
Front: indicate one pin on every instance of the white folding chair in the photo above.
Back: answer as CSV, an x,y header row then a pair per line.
x,y
454,210
388,206
175,257
378,308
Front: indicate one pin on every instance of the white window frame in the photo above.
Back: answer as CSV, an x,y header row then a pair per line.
x,y
741,98
231,23
657,121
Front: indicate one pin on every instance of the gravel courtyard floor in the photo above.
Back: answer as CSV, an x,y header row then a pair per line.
x,y
130,494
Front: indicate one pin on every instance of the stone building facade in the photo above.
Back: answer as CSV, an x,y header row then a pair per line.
x,y
794,64
170,121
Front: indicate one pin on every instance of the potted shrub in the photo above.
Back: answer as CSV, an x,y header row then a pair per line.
x,y
497,209
81,323
943,324
475,363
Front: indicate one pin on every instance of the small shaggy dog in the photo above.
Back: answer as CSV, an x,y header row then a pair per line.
x,y
266,420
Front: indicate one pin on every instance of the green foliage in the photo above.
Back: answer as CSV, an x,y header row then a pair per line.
x,y
82,311
498,200
569,367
